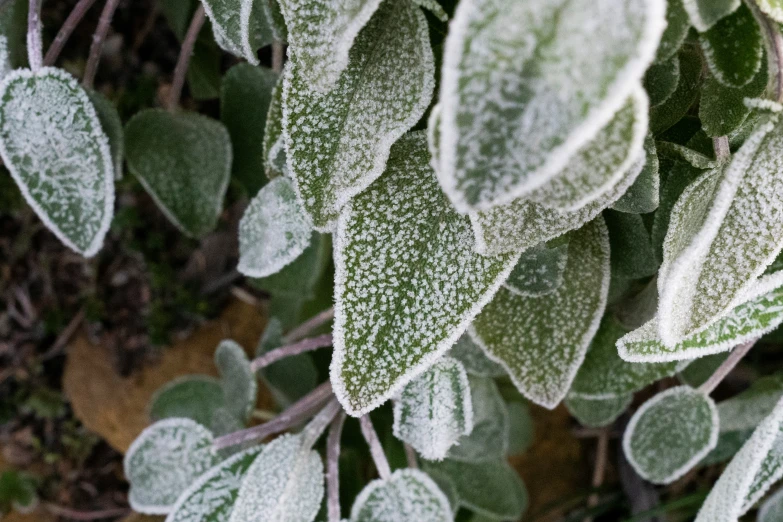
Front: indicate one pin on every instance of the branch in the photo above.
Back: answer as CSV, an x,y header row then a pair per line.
x,y
34,42
599,472
181,69
76,16
410,456
376,450
332,467
721,147
316,427
97,42
309,325
724,369
277,57
305,345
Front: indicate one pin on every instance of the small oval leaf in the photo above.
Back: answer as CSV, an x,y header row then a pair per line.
x,y
408,494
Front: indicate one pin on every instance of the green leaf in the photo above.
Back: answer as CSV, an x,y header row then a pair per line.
x,y
300,277
274,230
275,159
706,13
211,498
338,142
164,460
597,413
520,428
772,8
237,379
402,236
434,7
434,410
644,195
112,126
670,433
240,27
408,494
678,152
195,397
634,256
661,79
679,175
772,508
17,492
748,409
539,270
489,438
677,25
542,341
733,48
676,106
183,160
52,143
701,369
511,125
245,96
473,358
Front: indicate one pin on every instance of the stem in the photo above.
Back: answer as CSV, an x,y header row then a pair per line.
x,y
410,456
277,57
298,412
34,42
309,325
317,426
332,467
181,69
725,368
721,147
97,42
376,450
305,345
599,472
76,16
774,44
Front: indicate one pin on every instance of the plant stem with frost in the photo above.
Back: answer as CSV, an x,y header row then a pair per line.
x,y
34,41
309,325
376,450
333,466
305,345
724,369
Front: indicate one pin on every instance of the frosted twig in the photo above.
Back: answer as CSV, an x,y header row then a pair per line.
x,y
774,44
599,472
305,345
78,12
332,467
181,69
97,42
316,427
410,456
721,147
724,369
34,42
277,57
309,325
376,450
300,411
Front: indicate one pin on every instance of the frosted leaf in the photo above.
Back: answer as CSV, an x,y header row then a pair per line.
x,y
300,277
705,13
678,176
211,498
752,471
772,8
677,25
434,410
542,341
522,224
245,97
682,153
539,270
597,413
275,159
52,143
237,379
490,488
164,460
183,160
525,85
446,486
701,369
670,433
240,27
407,495
407,282
195,397
112,126
284,484
473,359
772,508
5,58
707,267
629,239
489,438
433,136
434,7
520,428
676,106
661,79
733,48
320,35
746,410
273,231
643,195
338,143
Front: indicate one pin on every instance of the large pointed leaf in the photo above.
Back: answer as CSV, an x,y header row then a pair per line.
x,y
706,13
408,494
526,84
52,143
183,160
240,27
407,280
338,142
489,438
542,341
733,48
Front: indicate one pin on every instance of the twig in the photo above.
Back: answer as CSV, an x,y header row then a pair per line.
x,y
725,368
376,450
333,466
309,325
76,16
64,336
277,57
181,69
305,345
75,514
316,427
34,41
264,415
298,412
721,147
774,45
245,296
97,42
599,472
410,456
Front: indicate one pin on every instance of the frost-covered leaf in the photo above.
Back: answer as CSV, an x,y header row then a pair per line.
x,y
5,58
597,413
520,428
285,482
164,460
523,224
490,488
772,508
722,110
539,270
434,410
473,358
408,494
701,369
489,438
746,410
512,113
434,7
407,283
677,25
275,158
733,48
53,144
300,277
661,79
705,13
195,397
644,195
721,239
112,126
749,475
211,498
338,142
183,160
682,153
274,230
240,27
677,104
670,433
542,341
245,96
678,175
237,379
772,8
634,256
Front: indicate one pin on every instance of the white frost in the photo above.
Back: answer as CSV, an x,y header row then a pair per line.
x,y
407,495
